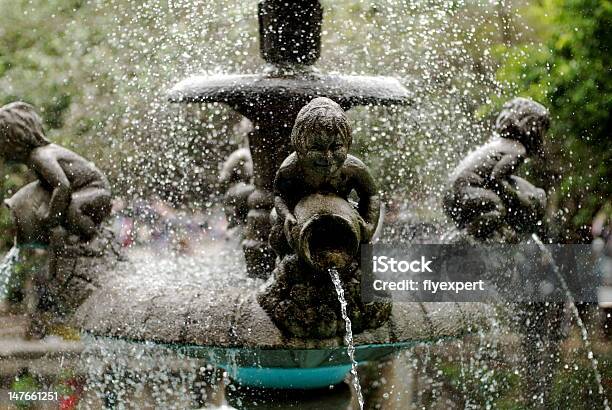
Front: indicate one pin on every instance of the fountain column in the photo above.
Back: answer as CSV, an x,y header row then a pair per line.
x,y
269,147
290,42
290,35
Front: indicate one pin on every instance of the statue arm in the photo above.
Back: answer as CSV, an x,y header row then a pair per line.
x,y
369,200
281,208
281,196
49,169
506,165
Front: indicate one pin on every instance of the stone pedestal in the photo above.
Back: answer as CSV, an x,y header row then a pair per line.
x,y
303,303
269,147
290,35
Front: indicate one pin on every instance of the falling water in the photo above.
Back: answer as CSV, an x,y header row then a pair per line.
x,y
348,335
6,268
576,314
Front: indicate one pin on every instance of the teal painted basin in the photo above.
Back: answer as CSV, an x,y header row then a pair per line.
x,y
289,378
288,368
270,368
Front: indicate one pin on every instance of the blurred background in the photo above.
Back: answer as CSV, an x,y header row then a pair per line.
x,y
98,71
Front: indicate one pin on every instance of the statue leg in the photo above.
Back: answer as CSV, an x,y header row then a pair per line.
x,y
486,208
269,147
236,203
88,208
525,202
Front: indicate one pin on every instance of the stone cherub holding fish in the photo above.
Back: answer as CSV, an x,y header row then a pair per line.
x,y
71,196
321,164
484,196
326,206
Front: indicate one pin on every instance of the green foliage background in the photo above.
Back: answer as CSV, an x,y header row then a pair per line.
x,y
570,72
98,71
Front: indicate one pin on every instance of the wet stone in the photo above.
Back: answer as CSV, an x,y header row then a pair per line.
x,y
176,308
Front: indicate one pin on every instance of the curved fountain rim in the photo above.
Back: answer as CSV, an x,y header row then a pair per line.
x,y
236,88
179,347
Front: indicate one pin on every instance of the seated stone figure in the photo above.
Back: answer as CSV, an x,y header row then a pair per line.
x,y
483,196
236,178
79,197
321,164
317,226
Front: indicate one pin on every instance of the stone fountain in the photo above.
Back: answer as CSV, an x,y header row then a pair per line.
x,y
283,330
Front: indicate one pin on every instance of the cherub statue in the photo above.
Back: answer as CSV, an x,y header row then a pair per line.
x,y
326,204
237,179
483,194
321,138
79,194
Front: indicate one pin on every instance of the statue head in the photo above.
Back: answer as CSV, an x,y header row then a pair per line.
x,y
523,120
21,131
321,136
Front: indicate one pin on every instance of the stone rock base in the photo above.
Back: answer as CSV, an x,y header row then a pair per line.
x,y
72,273
303,302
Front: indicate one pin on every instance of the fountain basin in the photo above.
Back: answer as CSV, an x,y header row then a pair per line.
x,y
232,318
280,378
288,368
207,300
206,306
278,368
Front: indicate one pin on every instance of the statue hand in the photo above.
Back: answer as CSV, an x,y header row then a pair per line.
x,y
522,192
509,191
45,218
367,230
57,237
290,223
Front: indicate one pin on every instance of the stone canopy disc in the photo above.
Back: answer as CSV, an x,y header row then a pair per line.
x,y
262,98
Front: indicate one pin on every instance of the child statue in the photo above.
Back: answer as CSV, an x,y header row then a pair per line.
x,y
317,229
483,195
79,194
236,179
321,163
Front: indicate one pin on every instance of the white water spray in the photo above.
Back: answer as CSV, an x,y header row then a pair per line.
x,y
576,314
6,269
348,335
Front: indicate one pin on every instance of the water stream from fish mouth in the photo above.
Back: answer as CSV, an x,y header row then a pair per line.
x,y
348,335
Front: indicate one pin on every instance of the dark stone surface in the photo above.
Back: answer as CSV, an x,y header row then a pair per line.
x,y
290,35
143,298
